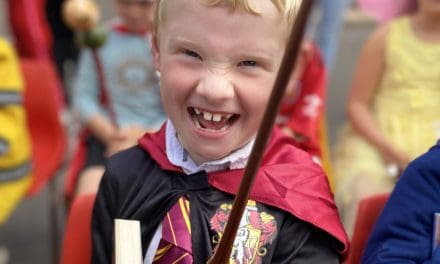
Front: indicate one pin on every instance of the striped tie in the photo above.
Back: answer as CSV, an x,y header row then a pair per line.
x,y
175,245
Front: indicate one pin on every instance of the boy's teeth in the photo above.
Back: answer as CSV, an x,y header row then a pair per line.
x,y
211,116
197,123
207,116
216,117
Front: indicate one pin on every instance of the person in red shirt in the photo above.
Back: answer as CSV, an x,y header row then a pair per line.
x,y
302,109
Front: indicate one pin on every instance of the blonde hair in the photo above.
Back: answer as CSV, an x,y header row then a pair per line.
x,y
288,8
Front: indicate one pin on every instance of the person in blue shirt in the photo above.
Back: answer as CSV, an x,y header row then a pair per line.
x,y
328,29
404,230
131,85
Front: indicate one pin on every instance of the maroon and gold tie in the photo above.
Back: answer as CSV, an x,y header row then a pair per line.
x,y
175,245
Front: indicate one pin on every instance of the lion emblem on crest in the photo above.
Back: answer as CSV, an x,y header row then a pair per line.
x,y
256,231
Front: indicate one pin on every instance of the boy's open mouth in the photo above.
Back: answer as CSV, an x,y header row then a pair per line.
x,y
212,121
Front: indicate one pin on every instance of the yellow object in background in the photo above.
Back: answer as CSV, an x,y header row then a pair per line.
x,y
15,150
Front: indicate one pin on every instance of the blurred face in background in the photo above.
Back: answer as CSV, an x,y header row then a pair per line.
x,y
137,15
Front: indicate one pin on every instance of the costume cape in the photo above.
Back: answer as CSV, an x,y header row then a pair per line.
x,y
287,179
141,184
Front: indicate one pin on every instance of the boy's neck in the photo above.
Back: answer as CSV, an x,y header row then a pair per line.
x,y
178,156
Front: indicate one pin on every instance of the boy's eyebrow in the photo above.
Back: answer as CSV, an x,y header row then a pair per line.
x,y
136,1
258,53
181,40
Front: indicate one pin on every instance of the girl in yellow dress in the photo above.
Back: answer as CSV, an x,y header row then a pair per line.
x,y
393,107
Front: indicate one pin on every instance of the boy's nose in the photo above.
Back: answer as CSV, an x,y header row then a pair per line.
x,y
215,86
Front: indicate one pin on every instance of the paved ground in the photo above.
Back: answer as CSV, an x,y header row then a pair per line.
x,y
27,236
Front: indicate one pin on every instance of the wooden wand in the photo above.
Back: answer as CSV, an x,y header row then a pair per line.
x,y
223,252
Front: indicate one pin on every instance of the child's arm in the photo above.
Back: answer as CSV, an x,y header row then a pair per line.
x,y
366,79
86,99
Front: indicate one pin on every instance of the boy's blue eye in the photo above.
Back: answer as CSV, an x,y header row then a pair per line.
x,y
248,63
192,54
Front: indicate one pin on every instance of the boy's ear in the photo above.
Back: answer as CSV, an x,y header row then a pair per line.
x,y
155,51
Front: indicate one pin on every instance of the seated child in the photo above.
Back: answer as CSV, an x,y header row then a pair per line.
x,y
302,108
131,85
218,61
392,107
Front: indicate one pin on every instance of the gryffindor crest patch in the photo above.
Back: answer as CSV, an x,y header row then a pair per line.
x,y
257,230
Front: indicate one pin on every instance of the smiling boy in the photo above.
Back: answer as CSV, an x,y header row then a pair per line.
x,y
218,61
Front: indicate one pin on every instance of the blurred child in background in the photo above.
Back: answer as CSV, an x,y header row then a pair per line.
x,y
393,107
131,85
328,29
302,108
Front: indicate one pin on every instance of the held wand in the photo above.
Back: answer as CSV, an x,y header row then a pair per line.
x,y
223,252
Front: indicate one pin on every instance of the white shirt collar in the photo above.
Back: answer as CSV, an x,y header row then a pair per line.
x,y
178,156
